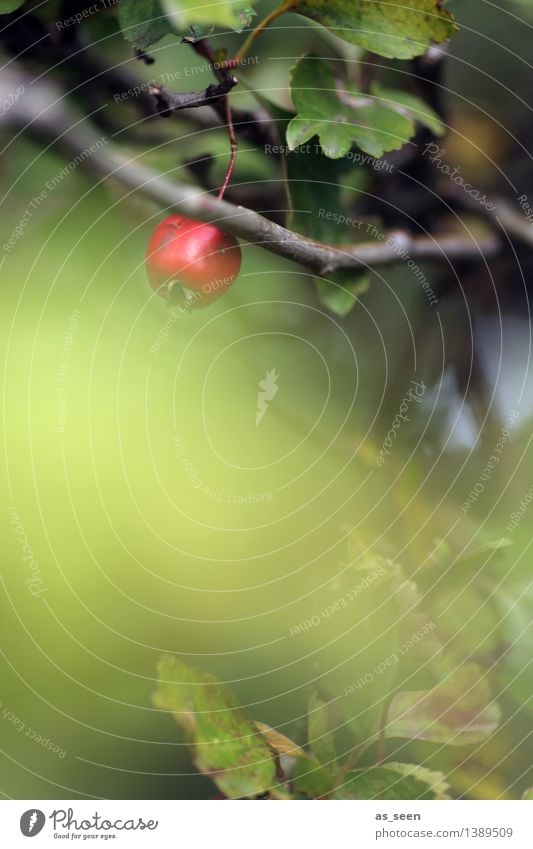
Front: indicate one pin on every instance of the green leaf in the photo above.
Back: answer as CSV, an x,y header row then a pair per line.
x,y
231,14
436,781
320,738
7,6
484,604
393,781
409,105
313,187
467,619
142,22
339,293
390,641
331,107
398,29
420,640
513,610
456,712
198,31
310,778
224,742
527,795
313,184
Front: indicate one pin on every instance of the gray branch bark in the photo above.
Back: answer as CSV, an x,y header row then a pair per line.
x,y
42,109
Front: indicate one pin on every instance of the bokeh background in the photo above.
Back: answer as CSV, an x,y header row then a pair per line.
x,y
156,516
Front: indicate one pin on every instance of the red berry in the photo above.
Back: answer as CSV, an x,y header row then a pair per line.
x,y
191,263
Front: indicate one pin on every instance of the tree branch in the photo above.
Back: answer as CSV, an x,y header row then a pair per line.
x,y
42,108
506,216
169,101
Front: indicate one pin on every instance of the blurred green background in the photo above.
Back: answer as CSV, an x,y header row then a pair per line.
x,y
159,518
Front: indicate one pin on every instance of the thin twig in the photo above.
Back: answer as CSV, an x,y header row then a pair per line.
x,y
250,41
222,73
58,124
204,49
234,148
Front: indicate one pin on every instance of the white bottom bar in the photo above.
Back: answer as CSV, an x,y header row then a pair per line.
x,y
262,825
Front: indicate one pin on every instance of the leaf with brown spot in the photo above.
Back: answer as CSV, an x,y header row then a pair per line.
x,y
225,743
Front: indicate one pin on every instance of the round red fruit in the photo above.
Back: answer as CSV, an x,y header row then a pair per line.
x,y
191,263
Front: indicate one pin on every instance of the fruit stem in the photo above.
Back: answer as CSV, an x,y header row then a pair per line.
x,y
221,71
250,41
234,146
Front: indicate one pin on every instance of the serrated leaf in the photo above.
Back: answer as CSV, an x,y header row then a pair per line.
x,y
457,712
320,737
436,781
313,193
467,618
392,781
397,29
410,106
465,598
231,14
396,644
311,779
278,742
312,181
143,22
224,742
330,106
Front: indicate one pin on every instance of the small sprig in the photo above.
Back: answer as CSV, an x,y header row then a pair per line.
x,y
169,101
222,71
